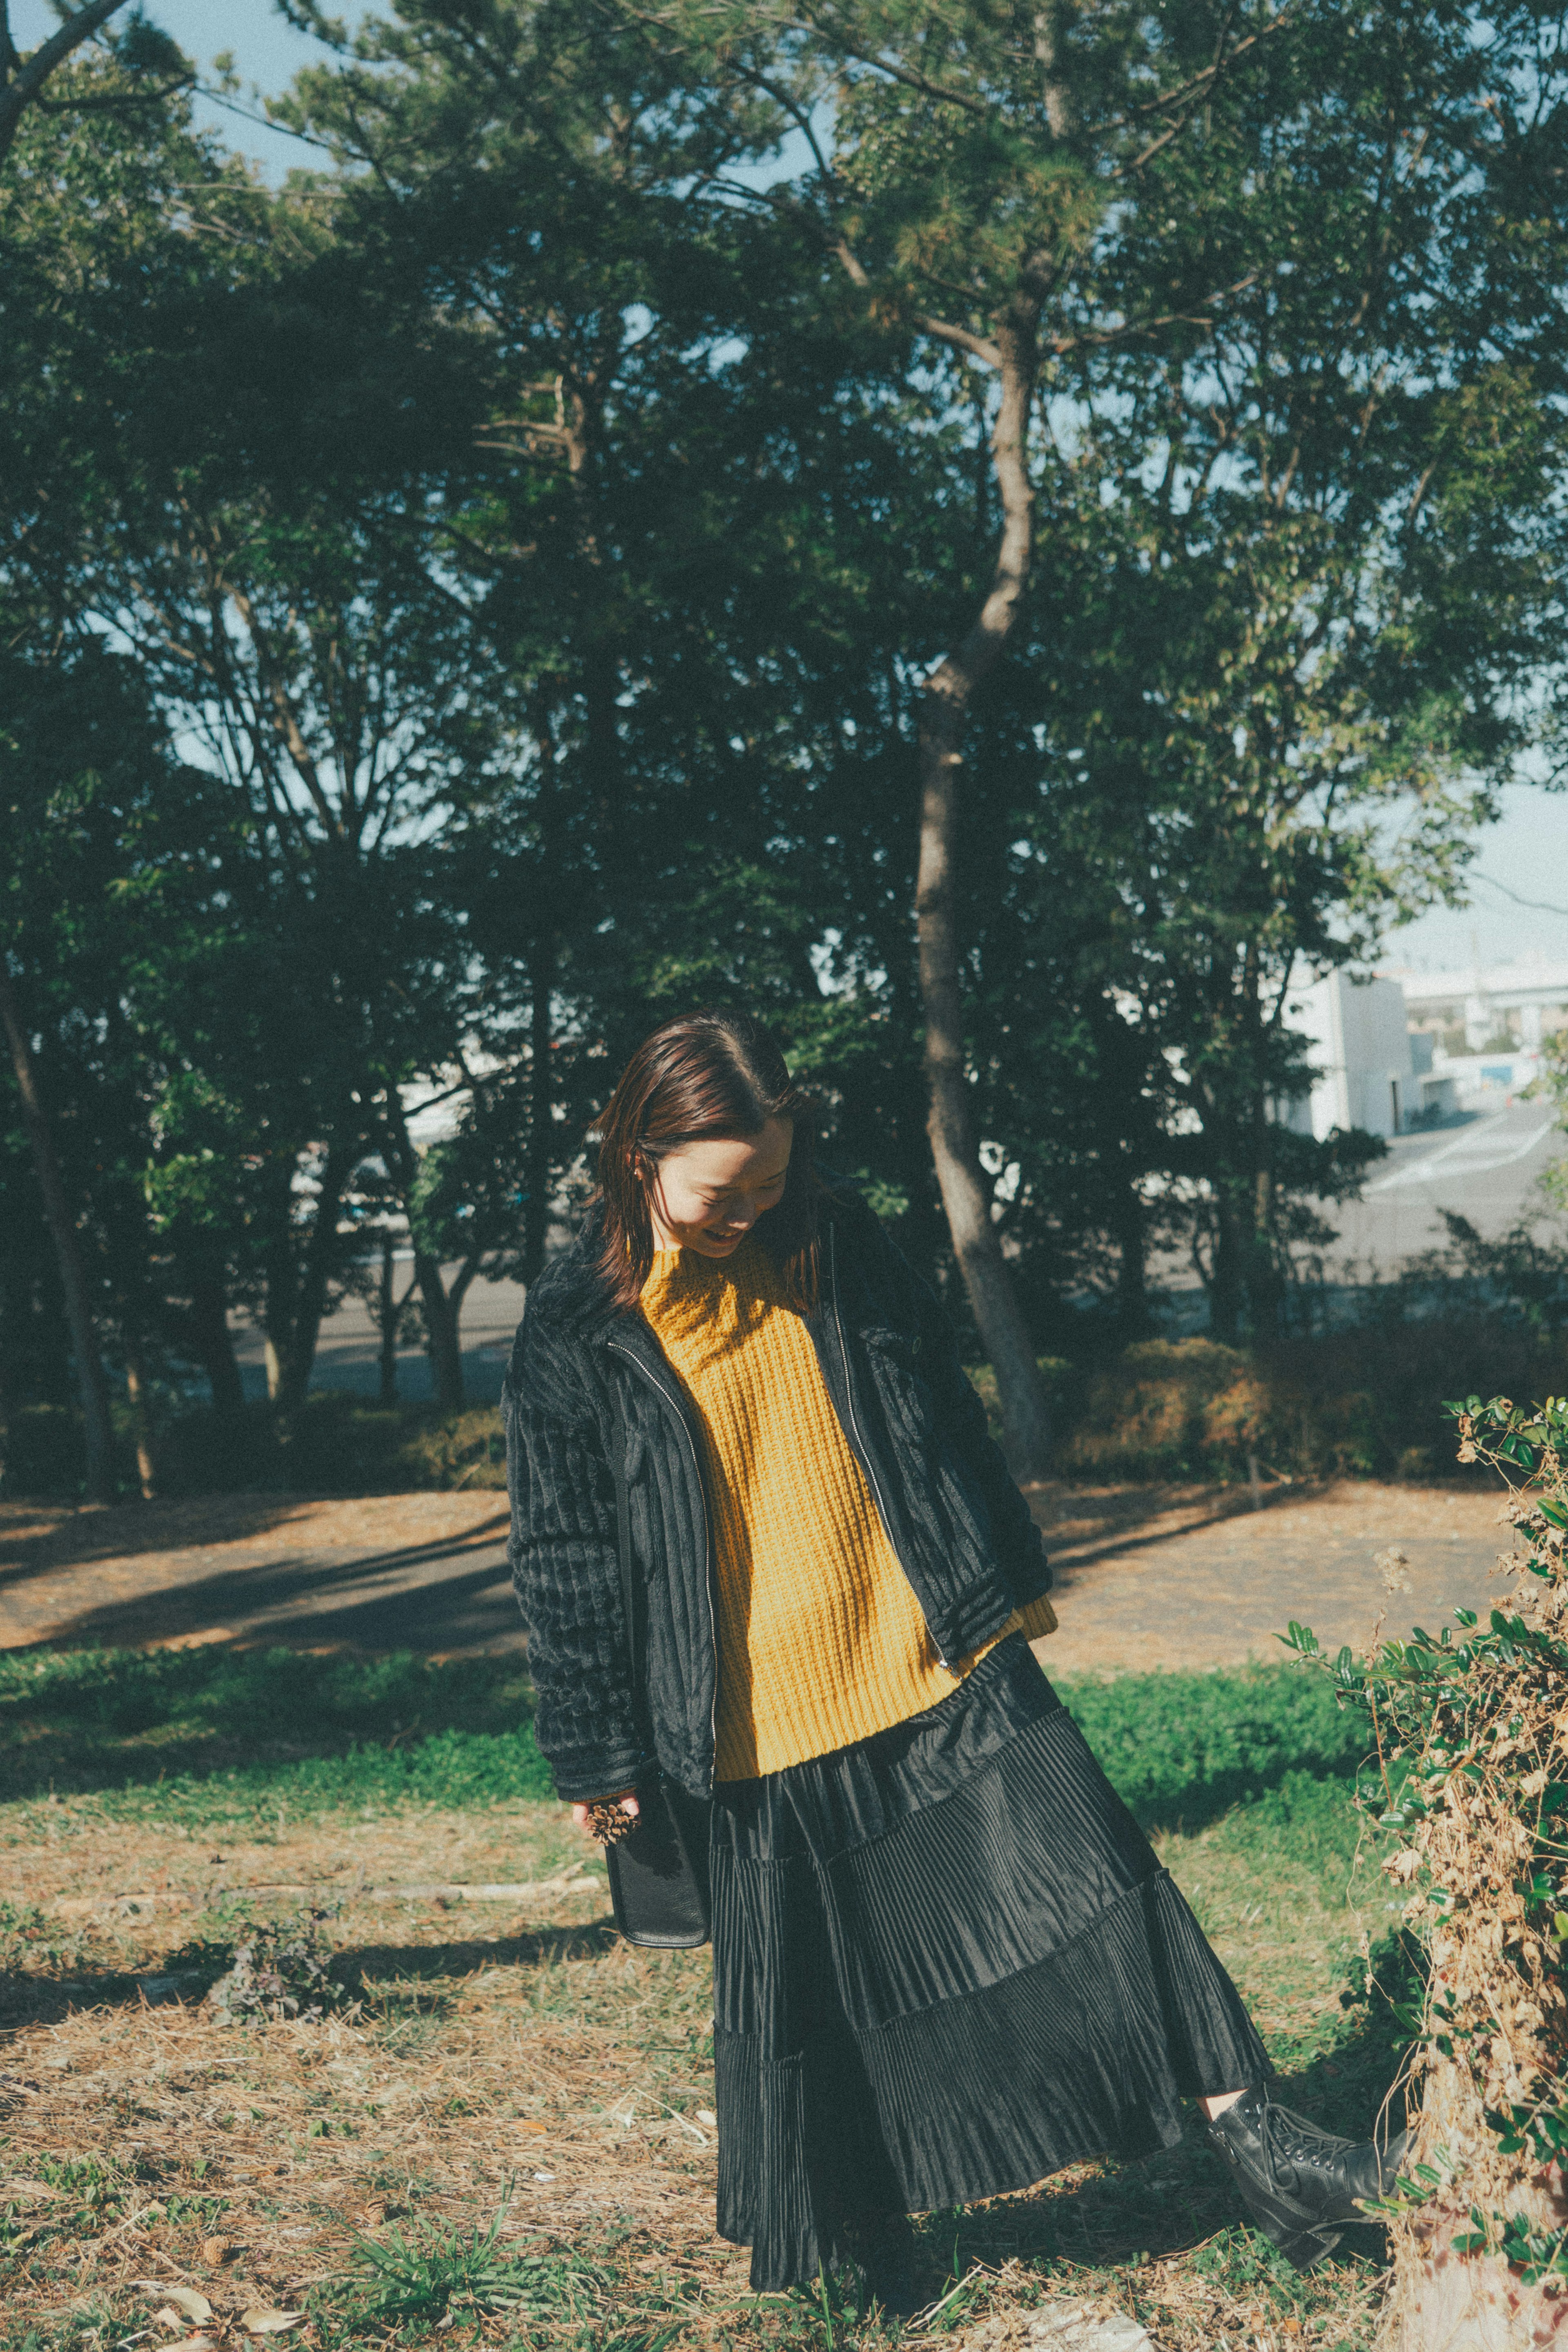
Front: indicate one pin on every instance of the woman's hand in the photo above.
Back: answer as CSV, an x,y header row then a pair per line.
x,y
625,1798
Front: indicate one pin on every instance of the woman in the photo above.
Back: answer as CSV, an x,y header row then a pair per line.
x,y
945,1961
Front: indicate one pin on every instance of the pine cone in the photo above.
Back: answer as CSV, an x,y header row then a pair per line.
x,y
609,1824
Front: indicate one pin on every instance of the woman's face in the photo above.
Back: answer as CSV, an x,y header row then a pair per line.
x,y
707,1196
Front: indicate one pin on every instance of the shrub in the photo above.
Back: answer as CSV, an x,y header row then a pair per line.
x,y
1471,1731
1362,1402
333,1443
283,1969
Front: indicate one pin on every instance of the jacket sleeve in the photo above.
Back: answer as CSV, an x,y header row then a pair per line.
x,y
563,1555
1020,1546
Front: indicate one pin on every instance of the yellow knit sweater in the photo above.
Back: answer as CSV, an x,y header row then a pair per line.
x,y
820,1640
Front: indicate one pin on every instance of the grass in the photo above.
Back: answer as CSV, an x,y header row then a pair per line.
x,y
509,2142
211,1733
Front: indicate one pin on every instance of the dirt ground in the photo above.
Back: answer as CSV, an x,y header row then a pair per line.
x,y
1146,1577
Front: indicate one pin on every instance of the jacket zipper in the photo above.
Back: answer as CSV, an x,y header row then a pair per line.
x,y
854,1425
656,1382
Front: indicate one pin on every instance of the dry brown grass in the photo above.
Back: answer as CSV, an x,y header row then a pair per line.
x,y
519,2060
494,2060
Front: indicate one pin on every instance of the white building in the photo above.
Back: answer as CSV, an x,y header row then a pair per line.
x,y
1364,1073
1485,1028
1501,1008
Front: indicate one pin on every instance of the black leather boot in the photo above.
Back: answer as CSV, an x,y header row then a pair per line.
x,y
1302,2185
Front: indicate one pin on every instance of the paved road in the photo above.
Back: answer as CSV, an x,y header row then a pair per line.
x,y
1145,1579
1487,1171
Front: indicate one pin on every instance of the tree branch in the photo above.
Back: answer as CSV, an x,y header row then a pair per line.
x,y
22,83
943,330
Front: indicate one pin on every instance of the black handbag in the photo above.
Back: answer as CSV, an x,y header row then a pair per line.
x,y
659,1877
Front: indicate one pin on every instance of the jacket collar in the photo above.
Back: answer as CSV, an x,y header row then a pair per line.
x,y
570,1299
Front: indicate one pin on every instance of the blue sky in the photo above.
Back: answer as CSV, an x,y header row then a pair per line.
x,y
267,52
1523,858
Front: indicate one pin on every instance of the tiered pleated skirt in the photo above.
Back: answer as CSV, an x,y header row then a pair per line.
x,y
947,1963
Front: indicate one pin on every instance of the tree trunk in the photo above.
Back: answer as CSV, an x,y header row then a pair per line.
x,y
1263,1288
541,1118
136,1389
440,1321
949,693
387,1322
291,1348
1132,1264
91,1384
1225,1277
214,1344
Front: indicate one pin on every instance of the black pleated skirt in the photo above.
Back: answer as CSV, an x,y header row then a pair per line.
x,y
946,1963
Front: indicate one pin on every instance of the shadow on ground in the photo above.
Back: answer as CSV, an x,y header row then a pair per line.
x,y
1085,1526
37,1539
382,1973
324,1600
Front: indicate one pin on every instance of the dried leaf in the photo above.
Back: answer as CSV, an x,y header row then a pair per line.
x,y
264,2321
190,2300
1391,1566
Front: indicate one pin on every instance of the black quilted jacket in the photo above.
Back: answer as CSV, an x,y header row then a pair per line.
x,y
961,1529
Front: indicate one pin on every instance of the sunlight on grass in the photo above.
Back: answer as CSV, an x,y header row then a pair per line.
x,y
510,2142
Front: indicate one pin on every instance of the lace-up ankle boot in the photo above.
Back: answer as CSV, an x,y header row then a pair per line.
x,y
1302,2185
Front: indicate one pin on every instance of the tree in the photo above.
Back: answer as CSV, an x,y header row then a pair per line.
x,y
22,80
88,796
976,180
673,517
1317,615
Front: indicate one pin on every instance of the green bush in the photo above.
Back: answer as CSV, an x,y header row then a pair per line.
x,y
1364,1403
333,1443
41,1451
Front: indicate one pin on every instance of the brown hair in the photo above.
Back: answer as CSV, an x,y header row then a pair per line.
x,y
706,1073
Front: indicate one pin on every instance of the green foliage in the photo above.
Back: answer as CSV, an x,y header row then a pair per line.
x,y
427,2271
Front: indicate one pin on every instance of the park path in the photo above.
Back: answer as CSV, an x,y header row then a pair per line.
x,y
1145,1577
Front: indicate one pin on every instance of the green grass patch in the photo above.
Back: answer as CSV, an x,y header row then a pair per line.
x,y
213,1734
1185,1748
159,1726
